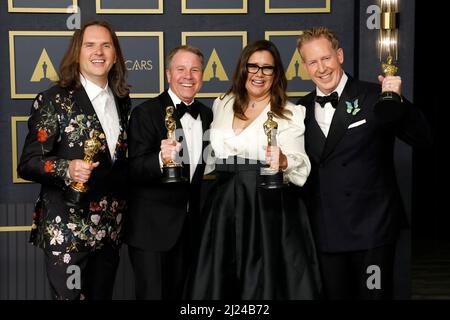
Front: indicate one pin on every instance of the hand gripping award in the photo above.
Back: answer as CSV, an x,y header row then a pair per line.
x,y
389,99
75,195
172,171
271,178
389,106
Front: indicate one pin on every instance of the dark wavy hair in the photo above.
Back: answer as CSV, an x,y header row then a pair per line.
x,y
278,96
69,70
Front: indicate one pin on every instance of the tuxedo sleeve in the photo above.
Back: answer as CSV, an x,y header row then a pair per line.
x,y
413,128
38,161
144,145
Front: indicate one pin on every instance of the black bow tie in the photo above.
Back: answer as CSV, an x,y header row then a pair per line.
x,y
192,109
333,98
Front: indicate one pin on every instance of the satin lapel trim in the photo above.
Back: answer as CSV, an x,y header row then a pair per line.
x,y
122,117
314,134
312,121
203,119
342,119
122,123
205,140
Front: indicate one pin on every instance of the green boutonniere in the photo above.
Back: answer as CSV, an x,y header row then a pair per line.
x,y
352,107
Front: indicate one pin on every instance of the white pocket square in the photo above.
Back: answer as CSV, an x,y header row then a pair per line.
x,y
356,124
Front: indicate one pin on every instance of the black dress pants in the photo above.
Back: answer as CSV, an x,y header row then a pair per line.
x,y
161,275
82,275
363,275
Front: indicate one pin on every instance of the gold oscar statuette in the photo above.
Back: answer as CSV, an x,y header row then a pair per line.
x,y
271,178
389,70
76,193
389,107
270,128
172,171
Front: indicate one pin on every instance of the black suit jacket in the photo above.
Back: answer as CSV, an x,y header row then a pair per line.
x,y
352,192
158,211
61,121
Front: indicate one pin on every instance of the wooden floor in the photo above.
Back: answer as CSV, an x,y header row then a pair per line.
x,y
431,270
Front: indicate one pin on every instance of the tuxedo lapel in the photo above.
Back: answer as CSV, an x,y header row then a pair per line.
x,y
121,107
205,138
121,112
166,101
83,102
342,119
85,106
314,136
204,119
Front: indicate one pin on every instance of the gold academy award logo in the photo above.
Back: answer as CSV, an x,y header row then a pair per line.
x,y
33,57
295,69
44,69
214,69
299,82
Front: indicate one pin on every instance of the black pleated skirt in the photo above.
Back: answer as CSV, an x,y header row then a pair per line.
x,y
254,243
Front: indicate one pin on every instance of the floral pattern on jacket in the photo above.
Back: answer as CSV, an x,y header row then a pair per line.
x,y
81,230
60,122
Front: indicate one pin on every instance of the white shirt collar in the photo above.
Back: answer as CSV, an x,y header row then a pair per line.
x,y
92,89
175,98
338,89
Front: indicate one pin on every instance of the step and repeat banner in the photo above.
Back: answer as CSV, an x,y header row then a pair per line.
x,y
35,54
34,35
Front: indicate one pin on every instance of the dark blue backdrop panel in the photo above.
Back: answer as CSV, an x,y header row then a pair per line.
x,y
221,55
129,4
299,82
41,4
36,60
144,54
208,4
297,4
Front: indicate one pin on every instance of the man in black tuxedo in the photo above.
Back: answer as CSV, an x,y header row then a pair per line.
x,y
164,216
352,193
91,99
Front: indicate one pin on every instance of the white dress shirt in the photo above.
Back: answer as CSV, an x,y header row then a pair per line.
x,y
324,115
250,142
102,100
193,135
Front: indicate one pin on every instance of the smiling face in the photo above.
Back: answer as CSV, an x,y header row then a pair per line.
x,y
323,63
185,75
97,55
259,85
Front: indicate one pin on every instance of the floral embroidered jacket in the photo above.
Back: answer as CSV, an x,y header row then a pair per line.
x,y
61,120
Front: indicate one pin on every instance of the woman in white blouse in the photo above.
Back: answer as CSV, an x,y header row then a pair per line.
x,y
256,243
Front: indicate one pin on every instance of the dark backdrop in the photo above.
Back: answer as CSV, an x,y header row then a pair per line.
x,y
431,218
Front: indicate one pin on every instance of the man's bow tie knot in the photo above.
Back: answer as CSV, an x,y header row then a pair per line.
x,y
332,98
192,109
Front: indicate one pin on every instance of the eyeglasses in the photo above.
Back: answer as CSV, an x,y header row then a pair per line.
x,y
266,70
